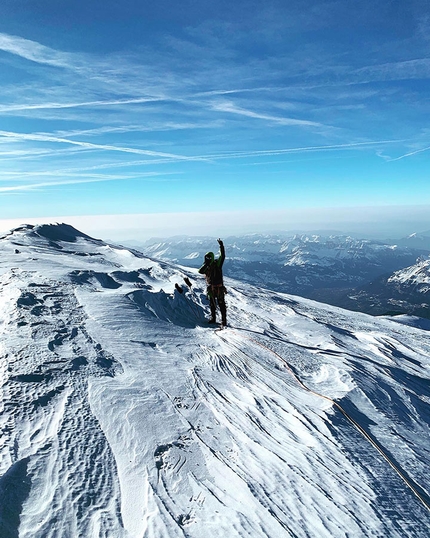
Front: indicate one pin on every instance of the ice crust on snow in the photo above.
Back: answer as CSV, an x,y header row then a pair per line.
x,y
124,415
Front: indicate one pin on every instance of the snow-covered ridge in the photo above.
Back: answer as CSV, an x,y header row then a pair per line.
x,y
124,415
416,275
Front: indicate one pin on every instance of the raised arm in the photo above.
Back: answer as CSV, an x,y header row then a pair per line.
x,y
222,253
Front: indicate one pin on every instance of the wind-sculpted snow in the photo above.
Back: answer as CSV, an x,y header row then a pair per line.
x,y
124,415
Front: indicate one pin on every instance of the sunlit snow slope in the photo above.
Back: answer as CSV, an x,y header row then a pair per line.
x,y
124,415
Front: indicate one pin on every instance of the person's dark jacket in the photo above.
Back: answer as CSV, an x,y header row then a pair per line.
x,y
213,271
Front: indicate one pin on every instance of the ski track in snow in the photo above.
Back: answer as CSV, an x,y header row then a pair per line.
x,y
124,415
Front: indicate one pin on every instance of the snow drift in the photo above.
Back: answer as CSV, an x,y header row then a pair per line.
x,y
124,415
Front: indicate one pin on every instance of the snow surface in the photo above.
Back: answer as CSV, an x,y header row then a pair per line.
x,y
416,275
124,415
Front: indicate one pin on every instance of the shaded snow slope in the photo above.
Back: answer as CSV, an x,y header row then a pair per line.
x,y
124,415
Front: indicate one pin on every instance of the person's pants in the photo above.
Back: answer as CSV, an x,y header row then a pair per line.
x,y
217,295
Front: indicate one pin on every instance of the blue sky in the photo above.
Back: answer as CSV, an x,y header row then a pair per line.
x,y
297,108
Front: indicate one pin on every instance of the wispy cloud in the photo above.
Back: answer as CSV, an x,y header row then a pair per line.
x,y
89,145
35,186
78,181
417,68
231,108
84,104
153,126
84,173
206,157
133,81
296,150
216,95
22,181
410,154
35,52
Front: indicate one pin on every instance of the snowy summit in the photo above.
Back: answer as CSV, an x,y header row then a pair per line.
x,y
123,414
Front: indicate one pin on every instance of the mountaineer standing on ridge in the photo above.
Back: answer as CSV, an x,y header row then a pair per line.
x,y
212,269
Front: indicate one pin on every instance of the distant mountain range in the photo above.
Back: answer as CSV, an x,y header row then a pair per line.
x,y
358,274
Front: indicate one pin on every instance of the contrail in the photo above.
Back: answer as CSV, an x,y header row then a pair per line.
x,y
89,145
409,154
262,153
209,157
114,102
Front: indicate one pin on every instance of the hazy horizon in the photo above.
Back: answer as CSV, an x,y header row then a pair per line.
x,y
374,223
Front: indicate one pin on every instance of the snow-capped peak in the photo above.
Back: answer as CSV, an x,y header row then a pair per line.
x,y
417,274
